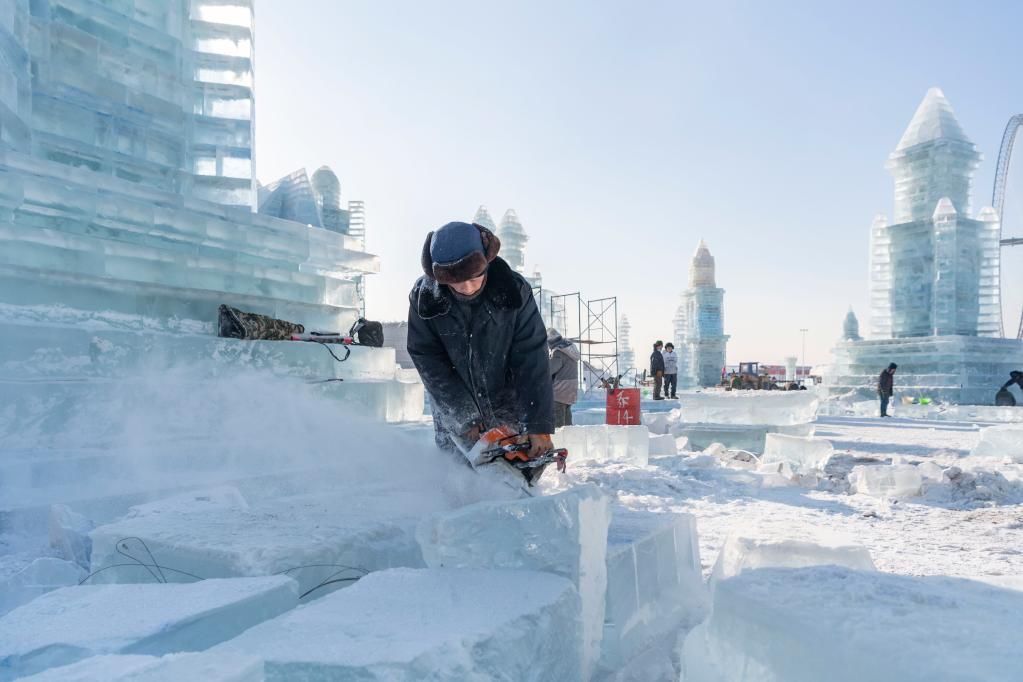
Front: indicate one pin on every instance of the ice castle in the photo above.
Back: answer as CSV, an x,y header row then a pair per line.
x,y
934,276
699,325
127,206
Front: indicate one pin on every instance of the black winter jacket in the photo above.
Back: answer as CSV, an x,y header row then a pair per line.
x,y
656,362
494,373
885,383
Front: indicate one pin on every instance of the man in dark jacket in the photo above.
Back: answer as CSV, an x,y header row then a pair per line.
x,y
885,386
476,337
565,376
657,369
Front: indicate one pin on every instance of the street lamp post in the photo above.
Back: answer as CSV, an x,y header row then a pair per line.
x,y
803,332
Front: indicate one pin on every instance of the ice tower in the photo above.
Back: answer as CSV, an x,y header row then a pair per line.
x,y
934,274
626,356
483,218
513,241
700,324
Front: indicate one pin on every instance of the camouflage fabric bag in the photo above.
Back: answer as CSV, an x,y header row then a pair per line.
x,y
237,324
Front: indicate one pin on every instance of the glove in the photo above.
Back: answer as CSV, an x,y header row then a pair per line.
x,y
472,436
539,443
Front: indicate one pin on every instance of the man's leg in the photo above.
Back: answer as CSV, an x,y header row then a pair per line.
x,y
658,378
670,385
559,414
568,415
884,405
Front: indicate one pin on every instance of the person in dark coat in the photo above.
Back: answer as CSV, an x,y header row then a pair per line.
x,y
476,337
564,375
885,387
1005,399
657,369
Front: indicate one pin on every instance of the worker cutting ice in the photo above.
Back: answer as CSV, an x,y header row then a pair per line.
x,y
476,337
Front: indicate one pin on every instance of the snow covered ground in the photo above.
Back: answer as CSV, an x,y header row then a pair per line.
x,y
950,530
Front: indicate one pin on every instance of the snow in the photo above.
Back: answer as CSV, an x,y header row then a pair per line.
x,y
73,623
436,624
836,623
565,534
654,583
604,443
221,667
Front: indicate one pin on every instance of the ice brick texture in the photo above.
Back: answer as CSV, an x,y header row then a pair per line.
x,y
834,623
564,534
1002,442
73,623
603,443
775,408
43,575
886,480
654,583
428,624
740,553
795,454
367,530
197,667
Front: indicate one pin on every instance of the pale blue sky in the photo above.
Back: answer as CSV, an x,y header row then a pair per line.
x,y
622,133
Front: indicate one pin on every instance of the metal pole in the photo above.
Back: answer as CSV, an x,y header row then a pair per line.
x,y
803,332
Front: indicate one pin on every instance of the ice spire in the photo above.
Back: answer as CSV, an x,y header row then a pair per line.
x,y
933,159
701,273
513,240
851,327
626,356
483,218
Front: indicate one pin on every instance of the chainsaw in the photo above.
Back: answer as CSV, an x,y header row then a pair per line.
x,y
504,445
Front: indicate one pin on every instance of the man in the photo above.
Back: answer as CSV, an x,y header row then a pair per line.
x,y
670,371
564,376
657,369
476,337
885,386
1005,399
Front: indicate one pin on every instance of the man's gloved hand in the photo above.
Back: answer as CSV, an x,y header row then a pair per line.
x,y
472,436
539,443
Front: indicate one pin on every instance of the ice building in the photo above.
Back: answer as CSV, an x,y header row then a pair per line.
x,y
127,217
483,218
626,356
513,240
699,324
315,201
934,275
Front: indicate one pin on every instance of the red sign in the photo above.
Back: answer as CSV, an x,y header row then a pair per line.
x,y
623,407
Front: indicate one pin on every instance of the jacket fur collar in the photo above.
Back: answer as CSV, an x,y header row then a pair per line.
x,y
503,289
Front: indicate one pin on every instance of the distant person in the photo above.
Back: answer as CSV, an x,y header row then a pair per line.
x,y
1005,399
565,376
670,370
657,369
476,337
885,387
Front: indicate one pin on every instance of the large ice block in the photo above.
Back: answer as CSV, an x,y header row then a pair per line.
x,y
777,408
661,445
43,575
368,529
1004,442
73,623
69,534
798,454
886,480
194,667
604,443
842,625
741,553
654,582
564,534
427,624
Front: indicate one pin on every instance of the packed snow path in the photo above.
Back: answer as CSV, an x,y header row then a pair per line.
x,y
967,532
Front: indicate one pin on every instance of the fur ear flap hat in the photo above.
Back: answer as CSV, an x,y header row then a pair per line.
x,y
458,252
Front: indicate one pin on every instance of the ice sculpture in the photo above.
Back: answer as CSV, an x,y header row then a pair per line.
x,y
513,240
934,275
699,324
483,218
626,356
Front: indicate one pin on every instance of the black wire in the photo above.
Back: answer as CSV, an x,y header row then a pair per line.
x,y
328,582
160,579
165,568
348,351
124,541
342,566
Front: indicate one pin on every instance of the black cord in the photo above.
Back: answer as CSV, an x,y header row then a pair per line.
x,y
165,568
348,351
122,546
328,582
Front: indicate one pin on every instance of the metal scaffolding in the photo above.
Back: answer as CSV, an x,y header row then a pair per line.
x,y
591,324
